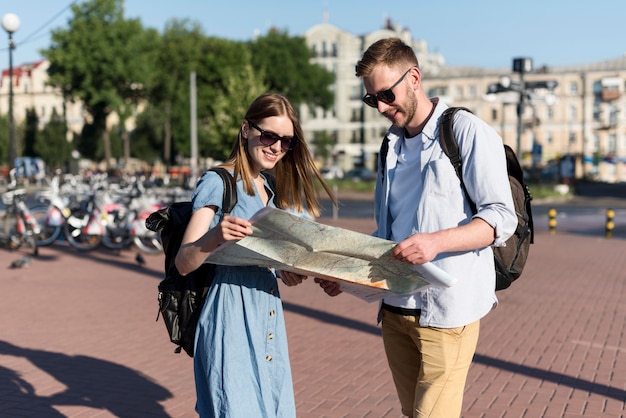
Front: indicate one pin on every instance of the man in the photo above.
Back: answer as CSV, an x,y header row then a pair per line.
x,y
430,336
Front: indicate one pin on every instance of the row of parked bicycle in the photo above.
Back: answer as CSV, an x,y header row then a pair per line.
x,y
88,213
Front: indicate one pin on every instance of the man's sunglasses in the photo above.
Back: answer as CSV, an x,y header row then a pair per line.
x,y
385,96
270,138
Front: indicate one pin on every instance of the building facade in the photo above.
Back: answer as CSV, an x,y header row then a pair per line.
x,y
579,117
30,91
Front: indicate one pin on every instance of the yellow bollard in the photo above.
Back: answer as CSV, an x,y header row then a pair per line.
x,y
552,220
610,225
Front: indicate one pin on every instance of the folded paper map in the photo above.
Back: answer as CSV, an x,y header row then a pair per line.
x,y
362,264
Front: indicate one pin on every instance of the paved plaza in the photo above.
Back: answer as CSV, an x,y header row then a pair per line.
x,y
78,338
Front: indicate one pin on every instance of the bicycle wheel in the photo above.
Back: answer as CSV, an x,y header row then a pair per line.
x,y
148,243
9,237
83,230
50,222
116,237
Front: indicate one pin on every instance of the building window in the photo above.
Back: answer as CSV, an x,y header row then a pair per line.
x,y
595,145
596,111
438,91
612,144
573,112
550,113
458,92
355,92
573,88
494,114
473,92
549,138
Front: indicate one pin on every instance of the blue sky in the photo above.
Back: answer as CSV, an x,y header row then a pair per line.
x,y
487,33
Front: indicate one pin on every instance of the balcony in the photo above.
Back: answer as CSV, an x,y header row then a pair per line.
x,y
608,95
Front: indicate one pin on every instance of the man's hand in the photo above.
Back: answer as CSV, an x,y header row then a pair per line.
x,y
331,288
289,278
416,249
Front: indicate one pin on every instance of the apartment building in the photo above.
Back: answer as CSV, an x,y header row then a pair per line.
x,y
582,120
30,91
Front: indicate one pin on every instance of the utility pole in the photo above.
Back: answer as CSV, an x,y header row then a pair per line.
x,y
521,66
194,128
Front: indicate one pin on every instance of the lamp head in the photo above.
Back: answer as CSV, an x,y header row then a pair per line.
x,y
10,22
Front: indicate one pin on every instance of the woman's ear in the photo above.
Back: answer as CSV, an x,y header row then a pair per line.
x,y
244,129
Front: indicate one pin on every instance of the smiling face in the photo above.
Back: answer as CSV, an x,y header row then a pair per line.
x,y
401,111
265,157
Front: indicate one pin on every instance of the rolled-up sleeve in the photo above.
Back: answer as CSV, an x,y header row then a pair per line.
x,y
485,175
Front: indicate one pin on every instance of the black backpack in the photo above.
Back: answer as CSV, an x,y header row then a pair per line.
x,y
509,260
181,297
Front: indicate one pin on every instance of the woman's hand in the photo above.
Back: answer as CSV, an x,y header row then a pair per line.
x,y
331,288
290,278
232,228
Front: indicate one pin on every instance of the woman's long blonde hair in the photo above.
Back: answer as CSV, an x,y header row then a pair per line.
x,y
295,173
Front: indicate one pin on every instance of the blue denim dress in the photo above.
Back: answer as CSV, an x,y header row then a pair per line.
x,y
241,361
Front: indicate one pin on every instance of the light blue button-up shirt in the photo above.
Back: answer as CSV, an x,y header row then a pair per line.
x,y
441,204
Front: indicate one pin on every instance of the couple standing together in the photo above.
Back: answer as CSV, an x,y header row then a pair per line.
x,y
241,362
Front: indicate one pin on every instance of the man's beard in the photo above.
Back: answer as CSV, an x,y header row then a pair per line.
x,y
407,110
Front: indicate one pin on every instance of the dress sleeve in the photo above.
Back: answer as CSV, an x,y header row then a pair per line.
x,y
209,191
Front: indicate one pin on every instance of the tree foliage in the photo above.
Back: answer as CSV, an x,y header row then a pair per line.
x,y
51,143
103,60
115,66
4,140
285,62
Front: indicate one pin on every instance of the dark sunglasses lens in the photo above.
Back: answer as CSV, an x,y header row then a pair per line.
x,y
387,96
285,143
270,138
370,100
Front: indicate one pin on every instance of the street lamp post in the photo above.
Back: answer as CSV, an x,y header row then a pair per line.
x,y
521,66
11,23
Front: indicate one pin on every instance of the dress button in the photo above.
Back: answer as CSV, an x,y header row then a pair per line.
x,y
272,312
270,336
268,358
272,291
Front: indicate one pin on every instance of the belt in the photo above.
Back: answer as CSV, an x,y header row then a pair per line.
x,y
402,311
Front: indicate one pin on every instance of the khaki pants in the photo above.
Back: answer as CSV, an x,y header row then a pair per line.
x,y
429,365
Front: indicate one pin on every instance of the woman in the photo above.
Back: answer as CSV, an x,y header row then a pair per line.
x,y
241,361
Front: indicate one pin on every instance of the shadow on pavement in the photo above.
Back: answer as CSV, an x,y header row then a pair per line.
x,y
520,369
89,382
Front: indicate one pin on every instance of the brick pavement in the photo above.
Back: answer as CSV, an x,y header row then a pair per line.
x,y
78,338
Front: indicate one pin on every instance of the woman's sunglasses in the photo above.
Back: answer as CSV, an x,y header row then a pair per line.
x,y
269,138
385,96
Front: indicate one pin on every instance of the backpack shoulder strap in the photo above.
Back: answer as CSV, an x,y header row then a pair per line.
x,y
450,147
271,180
384,149
230,189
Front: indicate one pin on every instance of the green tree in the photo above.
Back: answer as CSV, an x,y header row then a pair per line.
x,y
177,55
52,144
31,129
147,137
4,140
105,61
286,64
218,132
227,83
